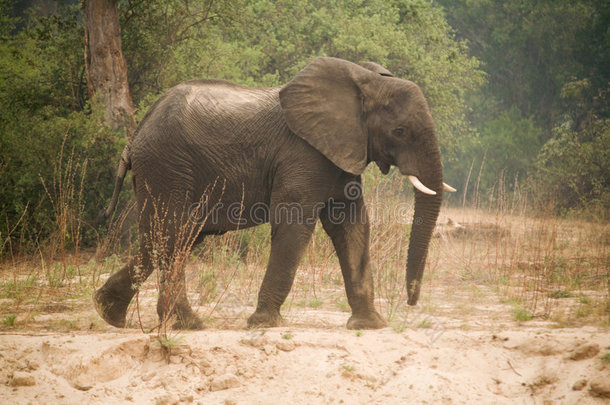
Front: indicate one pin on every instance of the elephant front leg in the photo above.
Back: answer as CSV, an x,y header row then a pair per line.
x,y
347,225
288,242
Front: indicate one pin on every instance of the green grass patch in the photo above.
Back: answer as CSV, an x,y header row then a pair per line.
x,y
169,342
9,320
561,294
521,315
314,302
425,324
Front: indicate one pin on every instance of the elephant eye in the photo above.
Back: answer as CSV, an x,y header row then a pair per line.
x,y
398,132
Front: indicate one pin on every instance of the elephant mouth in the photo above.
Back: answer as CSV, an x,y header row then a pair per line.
x,y
415,181
383,167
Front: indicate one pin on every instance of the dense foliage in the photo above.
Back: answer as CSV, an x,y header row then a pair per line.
x,y
49,141
266,42
537,106
254,42
544,111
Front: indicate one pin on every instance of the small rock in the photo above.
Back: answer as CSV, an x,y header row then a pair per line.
x,y
45,348
206,368
167,399
81,384
231,369
135,347
269,350
584,351
156,352
255,339
181,350
285,345
33,365
579,385
600,386
224,382
187,398
22,379
149,376
367,377
208,371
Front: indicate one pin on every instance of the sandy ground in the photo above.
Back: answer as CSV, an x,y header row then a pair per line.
x,y
460,345
316,360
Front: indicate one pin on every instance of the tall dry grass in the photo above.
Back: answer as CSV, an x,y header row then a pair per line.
x,y
535,264
546,267
498,250
65,192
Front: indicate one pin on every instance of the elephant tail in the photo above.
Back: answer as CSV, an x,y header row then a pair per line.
x,y
124,166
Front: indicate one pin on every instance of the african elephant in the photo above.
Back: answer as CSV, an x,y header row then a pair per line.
x,y
287,155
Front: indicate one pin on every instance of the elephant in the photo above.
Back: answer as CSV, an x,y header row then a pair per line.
x,y
289,156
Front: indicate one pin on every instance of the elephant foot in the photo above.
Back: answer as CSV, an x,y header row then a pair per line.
x,y
112,309
371,320
265,319
186,319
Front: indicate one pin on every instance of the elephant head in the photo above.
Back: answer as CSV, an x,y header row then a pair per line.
x,y
355,115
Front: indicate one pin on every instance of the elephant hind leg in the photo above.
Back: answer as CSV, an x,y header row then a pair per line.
x,y
113,310
174,301
112,299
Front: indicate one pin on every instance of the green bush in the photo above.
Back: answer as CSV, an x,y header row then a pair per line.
x,y
56,158
572,171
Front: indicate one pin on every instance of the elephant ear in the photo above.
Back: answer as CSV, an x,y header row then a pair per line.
x,y
377,68
323,105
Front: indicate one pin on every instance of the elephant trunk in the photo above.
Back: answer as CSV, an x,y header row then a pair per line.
x,y
427,208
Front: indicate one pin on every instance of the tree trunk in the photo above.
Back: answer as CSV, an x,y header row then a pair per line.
x,y
106,70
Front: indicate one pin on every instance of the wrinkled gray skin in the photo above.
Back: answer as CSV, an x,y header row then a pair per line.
x,y
305,143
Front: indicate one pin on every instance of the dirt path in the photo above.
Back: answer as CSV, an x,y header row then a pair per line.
x,y
321,363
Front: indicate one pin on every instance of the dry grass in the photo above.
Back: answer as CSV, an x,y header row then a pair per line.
x,y
492,265
546,267
65,192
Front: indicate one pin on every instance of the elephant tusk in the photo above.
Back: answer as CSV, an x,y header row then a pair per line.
x,y
418,185
447,187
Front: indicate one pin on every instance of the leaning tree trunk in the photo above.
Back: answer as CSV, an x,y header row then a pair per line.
x,y
106,70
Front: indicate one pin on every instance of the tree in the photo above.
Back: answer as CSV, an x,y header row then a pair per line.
x,y
106,70
547,94
48,134
47,106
